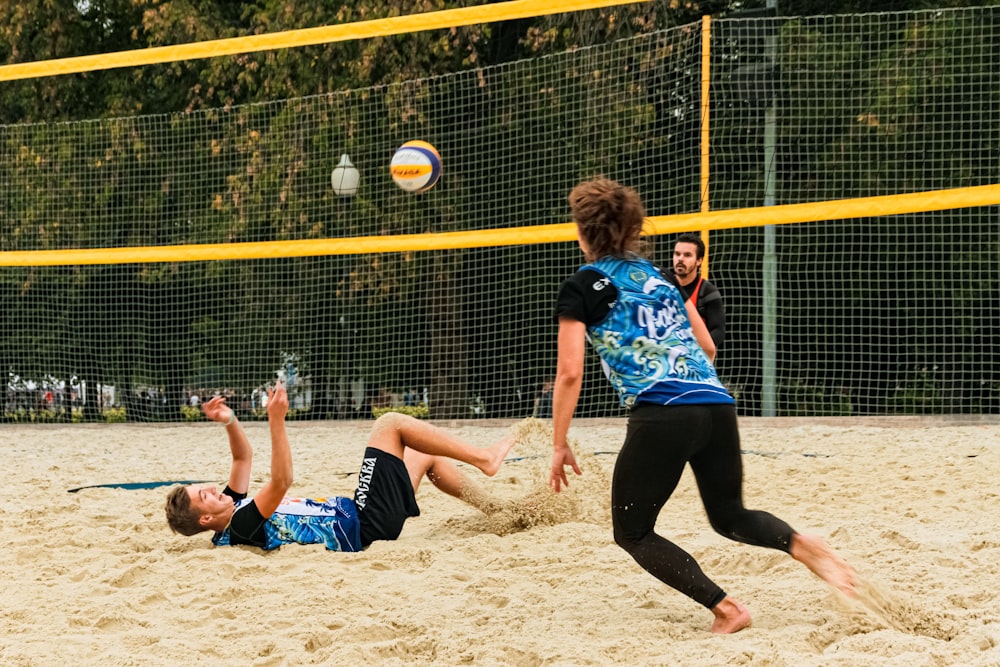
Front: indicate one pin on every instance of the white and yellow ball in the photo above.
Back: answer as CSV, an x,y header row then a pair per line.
x,y
416,166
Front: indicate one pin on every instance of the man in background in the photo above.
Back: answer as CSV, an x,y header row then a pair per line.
x,y
689,252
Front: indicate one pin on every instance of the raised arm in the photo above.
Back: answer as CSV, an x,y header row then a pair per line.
x,y
272,493
216,410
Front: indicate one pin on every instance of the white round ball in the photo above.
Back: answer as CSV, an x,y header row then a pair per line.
x,y
416,166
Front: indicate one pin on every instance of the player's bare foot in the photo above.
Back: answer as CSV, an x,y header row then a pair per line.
x,y
730,616
824,562
496,455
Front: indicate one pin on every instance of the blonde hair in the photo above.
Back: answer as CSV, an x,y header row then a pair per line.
x,y
609,216
181,517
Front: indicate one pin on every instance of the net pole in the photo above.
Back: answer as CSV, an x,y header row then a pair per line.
x,y
706,59
769,351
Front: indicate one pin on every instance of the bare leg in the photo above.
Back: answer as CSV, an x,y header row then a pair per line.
x,y
824,562
441,471
445,476
394,432
730,616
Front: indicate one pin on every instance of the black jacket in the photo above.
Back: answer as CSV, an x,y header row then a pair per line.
x,y
708,301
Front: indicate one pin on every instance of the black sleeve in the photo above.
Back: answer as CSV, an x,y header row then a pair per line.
x,y
247,524
586,296
712,309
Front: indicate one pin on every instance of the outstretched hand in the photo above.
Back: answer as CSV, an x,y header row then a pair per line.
x,y
277,402
562,457
216,409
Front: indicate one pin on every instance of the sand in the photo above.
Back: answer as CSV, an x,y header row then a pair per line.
x,y
96,577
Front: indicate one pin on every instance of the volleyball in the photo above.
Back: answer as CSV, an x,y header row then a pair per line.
x,y
416,166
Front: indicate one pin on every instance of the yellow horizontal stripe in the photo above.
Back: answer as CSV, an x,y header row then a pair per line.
x,y
937,200
447,18
359,245
838,209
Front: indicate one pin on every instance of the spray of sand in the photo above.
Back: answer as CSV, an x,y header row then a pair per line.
x,y
587,498
877,605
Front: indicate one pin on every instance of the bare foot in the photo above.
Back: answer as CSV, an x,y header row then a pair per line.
x,y
730,616
824,562
496,454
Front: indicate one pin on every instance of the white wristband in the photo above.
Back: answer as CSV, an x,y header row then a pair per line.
x,y
232,417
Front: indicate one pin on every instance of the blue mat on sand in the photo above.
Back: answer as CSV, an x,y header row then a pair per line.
x,y
140,485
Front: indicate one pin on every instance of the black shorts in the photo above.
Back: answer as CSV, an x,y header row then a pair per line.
x,y
384,496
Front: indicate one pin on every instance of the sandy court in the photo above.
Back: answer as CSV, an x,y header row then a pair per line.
x,y
96,578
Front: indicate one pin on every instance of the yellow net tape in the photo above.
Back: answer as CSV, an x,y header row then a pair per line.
x,y
937,200
448,18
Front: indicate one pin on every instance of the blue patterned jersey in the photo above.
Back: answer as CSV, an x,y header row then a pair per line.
x,y
329,521
647,348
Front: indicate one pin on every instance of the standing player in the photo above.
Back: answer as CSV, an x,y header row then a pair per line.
x,y
651,348
689,254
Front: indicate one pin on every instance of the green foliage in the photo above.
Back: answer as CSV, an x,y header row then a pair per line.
x,y
32,416
918,394
211,151
803,400
191,413
114,415
36,30
419,411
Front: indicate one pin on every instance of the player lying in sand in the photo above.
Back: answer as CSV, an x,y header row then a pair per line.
x,y
401,451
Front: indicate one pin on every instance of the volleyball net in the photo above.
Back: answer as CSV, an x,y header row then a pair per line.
x,y
844,170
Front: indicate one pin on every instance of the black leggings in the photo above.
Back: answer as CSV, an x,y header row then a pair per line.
x,y
660,441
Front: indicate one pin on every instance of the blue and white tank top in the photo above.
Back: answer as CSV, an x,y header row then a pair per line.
x,y
329,521
647,348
